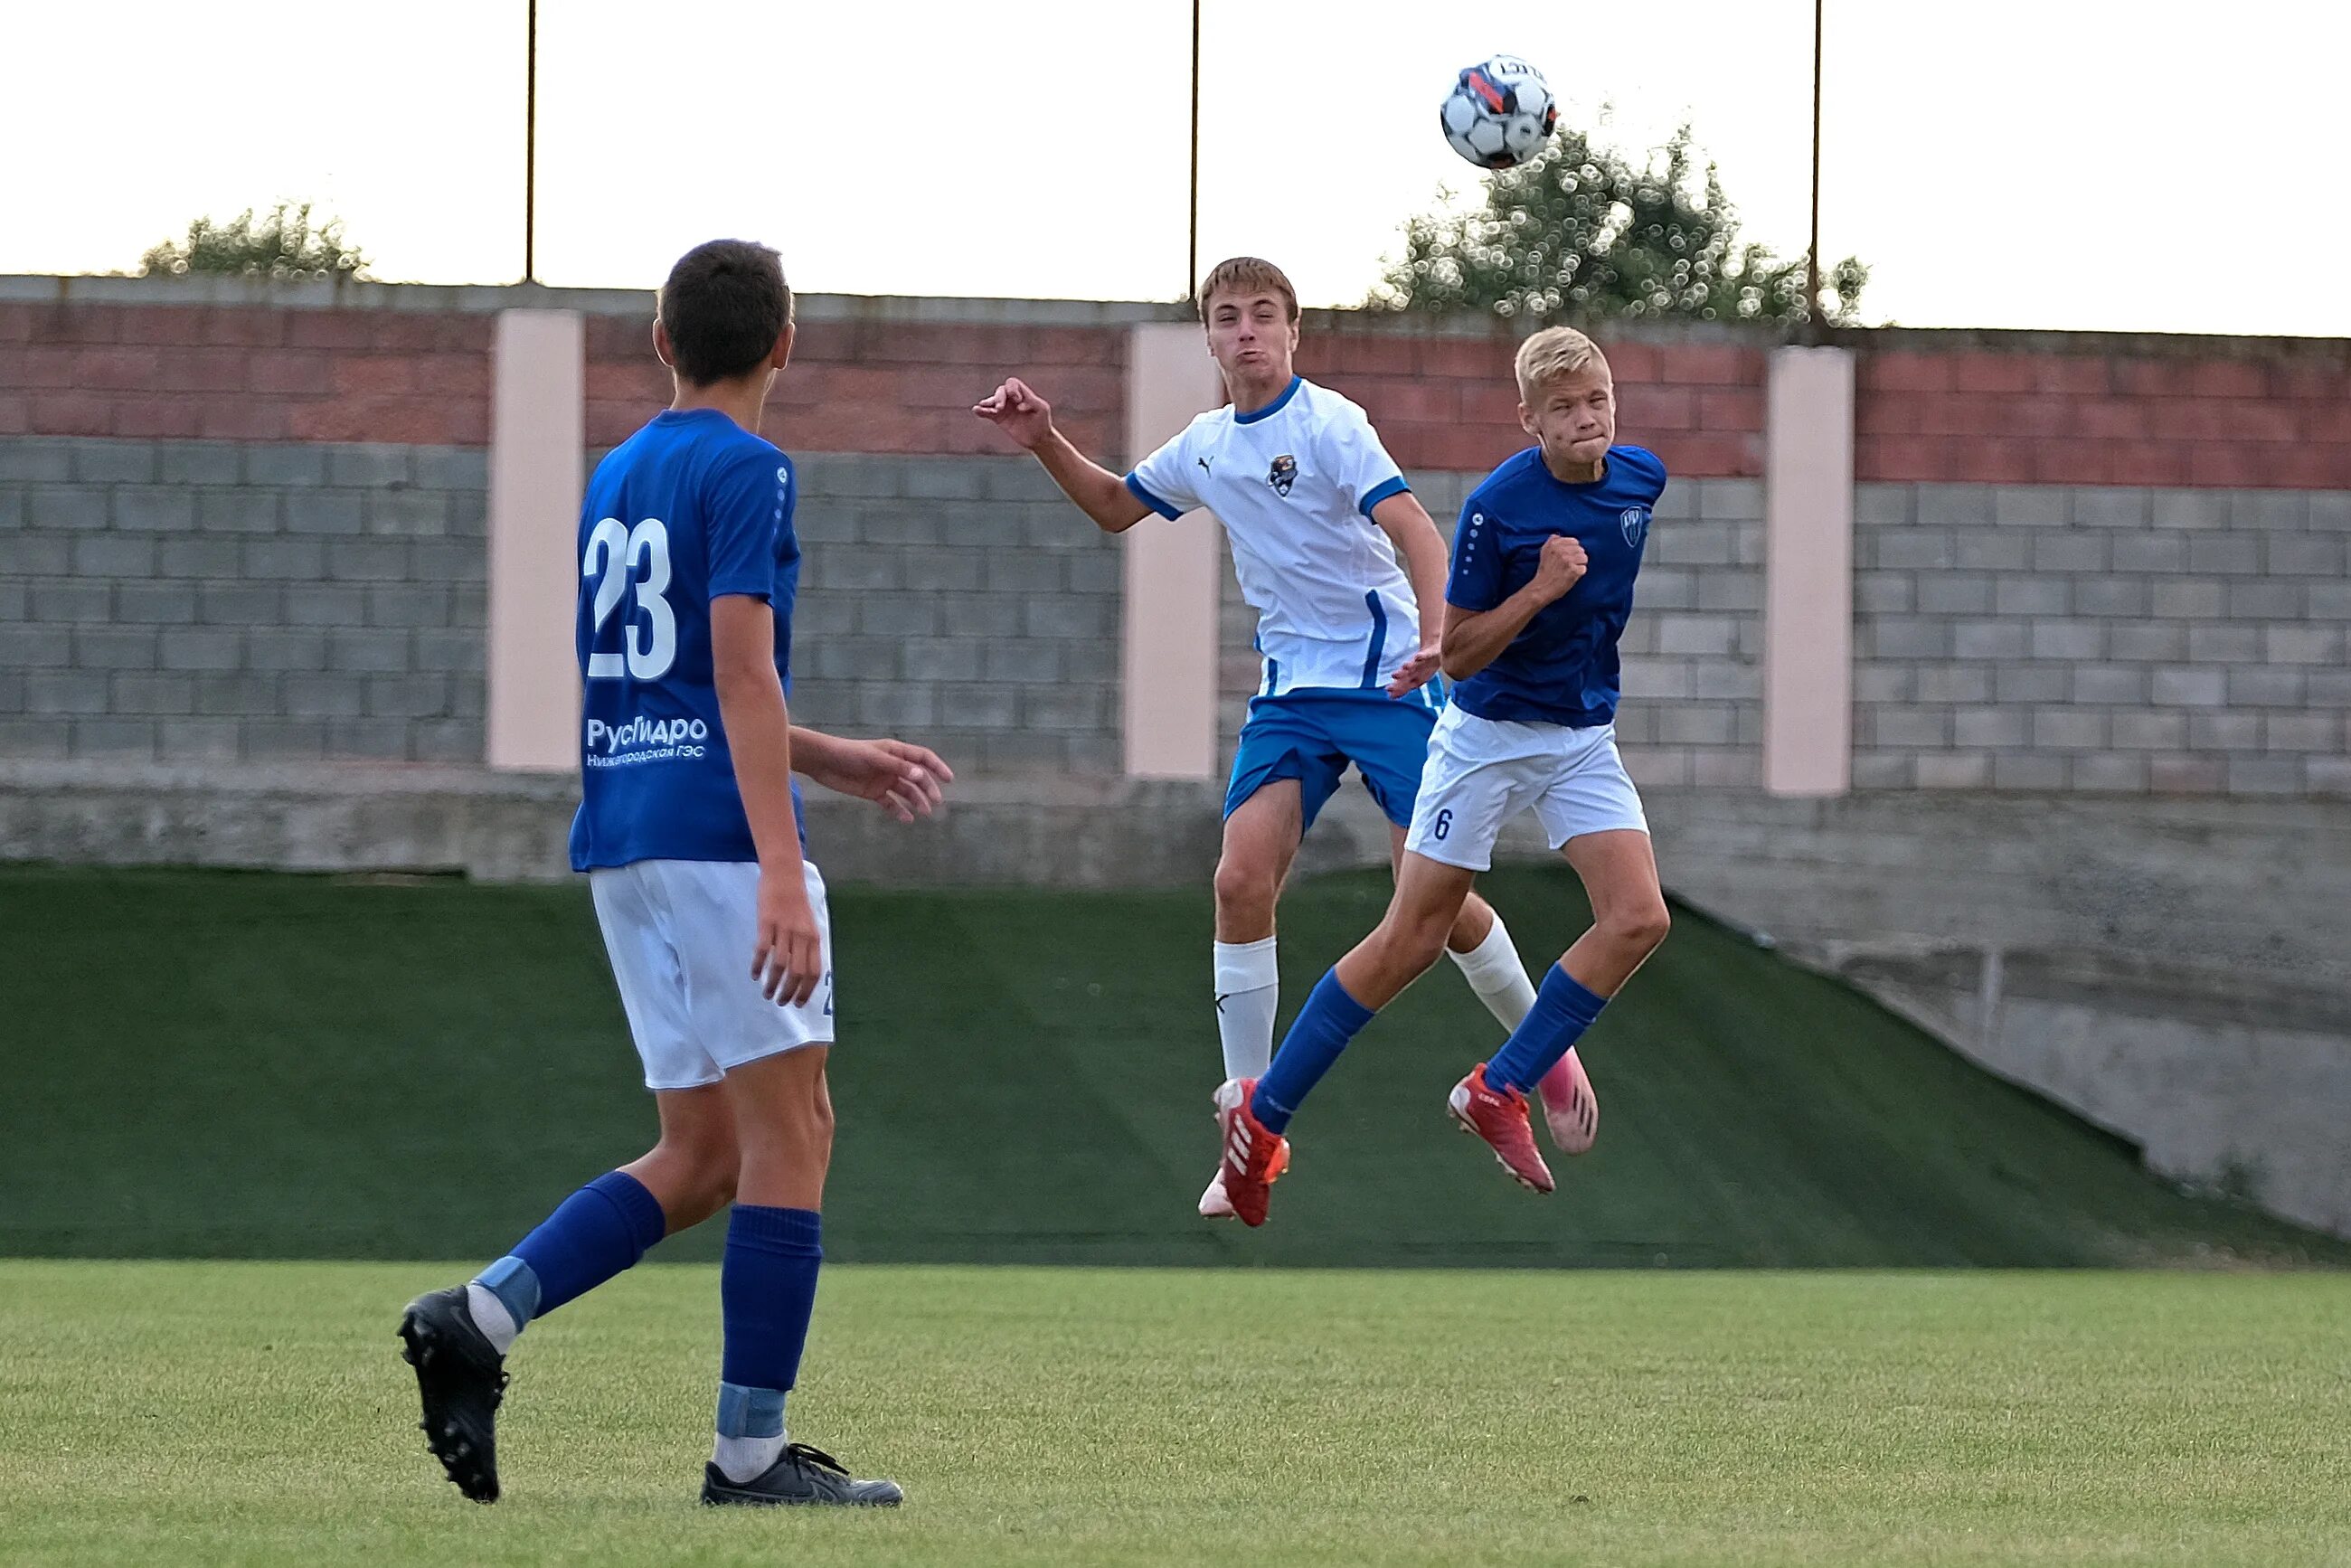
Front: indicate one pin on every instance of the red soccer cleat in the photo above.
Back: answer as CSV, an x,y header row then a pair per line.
x,y
1499,1116
1571,1110
1215,1205
1254,1153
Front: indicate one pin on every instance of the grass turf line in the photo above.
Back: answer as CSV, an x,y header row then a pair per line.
x,y
256,1413
225,1065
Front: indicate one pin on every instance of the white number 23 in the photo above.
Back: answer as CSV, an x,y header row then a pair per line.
x,y
650,635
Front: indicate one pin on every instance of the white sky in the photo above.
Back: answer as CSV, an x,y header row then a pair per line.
x,y
2128,165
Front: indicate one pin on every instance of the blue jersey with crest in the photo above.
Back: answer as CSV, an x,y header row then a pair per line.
x,y
690,507
1562,668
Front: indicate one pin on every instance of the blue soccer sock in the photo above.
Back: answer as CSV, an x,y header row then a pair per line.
x,y
767,1289
1564,1010
1322,1029
594,1234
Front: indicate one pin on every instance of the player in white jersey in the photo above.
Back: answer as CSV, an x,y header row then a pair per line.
x,y
1335,554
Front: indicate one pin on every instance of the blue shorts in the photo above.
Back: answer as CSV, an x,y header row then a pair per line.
x,y
1311,735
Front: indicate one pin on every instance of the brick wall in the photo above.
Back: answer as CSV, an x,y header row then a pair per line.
x,y
1444,401
238,372
411,365
248,522
2102,638
2046,409
867,385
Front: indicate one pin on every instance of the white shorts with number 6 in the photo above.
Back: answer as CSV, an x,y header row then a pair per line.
x,y
1481,772
680,934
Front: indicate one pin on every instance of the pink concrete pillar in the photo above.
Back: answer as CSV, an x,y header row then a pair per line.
x,y
538,433
1168,668
1808,573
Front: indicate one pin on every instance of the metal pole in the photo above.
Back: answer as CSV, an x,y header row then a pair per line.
x,y
1812,252
1192,246
530,153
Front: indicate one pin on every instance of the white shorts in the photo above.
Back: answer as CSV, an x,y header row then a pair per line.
x,y
1481,772
680,934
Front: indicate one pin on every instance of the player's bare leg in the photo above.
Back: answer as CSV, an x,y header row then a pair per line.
x,y
1262,840
783,1129
1430,904
1629,919
1481,947
1619,871
781,1112
1406,942
692,1169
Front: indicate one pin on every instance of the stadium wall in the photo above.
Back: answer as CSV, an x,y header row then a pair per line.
x,y
2100,609
2083,563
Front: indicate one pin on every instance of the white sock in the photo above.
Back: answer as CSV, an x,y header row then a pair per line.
x,y
490,1316
741,1459
1248,988
1494,972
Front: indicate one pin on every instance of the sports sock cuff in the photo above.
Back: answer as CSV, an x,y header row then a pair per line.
x,y
1493,961
1570,996
1246,966
514,1284
750,1412
1332,994
640,1210
785,1232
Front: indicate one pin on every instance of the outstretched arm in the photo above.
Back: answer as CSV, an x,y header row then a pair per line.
x,y
1413,533
1476,638
1027,419
903,779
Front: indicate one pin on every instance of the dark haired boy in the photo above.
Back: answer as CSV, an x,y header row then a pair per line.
x,y
690,834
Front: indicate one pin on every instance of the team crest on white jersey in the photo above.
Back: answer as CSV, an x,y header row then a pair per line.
x,y
1635,521
1282,475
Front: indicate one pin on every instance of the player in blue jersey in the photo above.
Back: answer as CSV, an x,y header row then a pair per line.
x,y
689,832
1337,555
1543,564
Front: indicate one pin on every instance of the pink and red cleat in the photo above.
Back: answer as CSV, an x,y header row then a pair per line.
x,y
1571,1110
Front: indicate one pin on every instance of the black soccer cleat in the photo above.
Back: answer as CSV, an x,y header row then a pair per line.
x,y
462,1378
803,1477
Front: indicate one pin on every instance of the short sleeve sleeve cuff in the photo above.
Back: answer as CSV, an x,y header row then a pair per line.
x,y
1381,492
1135,487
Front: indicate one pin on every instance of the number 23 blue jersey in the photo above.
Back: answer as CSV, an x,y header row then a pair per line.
x,y
689,508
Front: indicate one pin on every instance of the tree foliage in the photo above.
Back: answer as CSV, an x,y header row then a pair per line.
x,y
1581,233
285,243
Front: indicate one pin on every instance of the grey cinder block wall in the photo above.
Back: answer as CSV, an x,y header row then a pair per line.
x,y
212,602
2102,640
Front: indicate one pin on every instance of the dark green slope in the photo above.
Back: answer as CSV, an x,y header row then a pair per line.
x,y
232,1065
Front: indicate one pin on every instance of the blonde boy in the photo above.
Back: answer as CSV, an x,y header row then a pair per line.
x,y
1541,587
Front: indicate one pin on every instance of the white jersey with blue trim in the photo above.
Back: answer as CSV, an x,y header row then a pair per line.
x,y
1294,484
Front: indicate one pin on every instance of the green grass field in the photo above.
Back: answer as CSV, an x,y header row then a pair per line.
x,y
225,1065
256,1413
249,1067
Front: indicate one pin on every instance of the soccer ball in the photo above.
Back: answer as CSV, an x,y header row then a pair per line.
x,y
1498,113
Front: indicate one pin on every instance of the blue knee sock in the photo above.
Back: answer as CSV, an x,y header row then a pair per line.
x,y
594,1234
1322,1029
1564,1010
767,1288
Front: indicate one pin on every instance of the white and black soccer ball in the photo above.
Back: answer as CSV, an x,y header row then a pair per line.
x,y
1500,112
